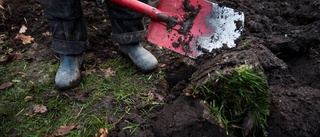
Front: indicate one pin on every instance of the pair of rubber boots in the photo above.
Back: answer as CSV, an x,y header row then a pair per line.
x,y
69,73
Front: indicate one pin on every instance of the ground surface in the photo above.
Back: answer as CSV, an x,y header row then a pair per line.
x,y
283,37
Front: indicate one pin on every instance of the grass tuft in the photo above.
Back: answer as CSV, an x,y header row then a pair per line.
x,y
239,101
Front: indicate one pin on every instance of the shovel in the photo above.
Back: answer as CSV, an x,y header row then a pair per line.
x,y
190,27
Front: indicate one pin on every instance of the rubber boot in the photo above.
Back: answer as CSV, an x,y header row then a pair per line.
x,y
69,74
141,57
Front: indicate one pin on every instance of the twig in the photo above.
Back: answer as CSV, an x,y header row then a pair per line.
x,y
19,112
4,17
80,111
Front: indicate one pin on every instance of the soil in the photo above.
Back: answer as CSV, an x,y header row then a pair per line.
x,y
283,40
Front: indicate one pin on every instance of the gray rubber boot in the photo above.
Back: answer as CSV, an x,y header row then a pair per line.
x,y
69,74
141,57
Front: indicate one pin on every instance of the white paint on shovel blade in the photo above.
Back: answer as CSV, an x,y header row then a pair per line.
x,y
223,21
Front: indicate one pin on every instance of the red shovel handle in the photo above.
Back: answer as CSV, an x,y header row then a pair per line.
x,y
141,7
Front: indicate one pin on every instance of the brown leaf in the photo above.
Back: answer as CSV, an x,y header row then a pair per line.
x,y
2,37
10,57
163,65
103,132
25,39
151,95
39,108
64,130
23,29
108,72
6,85
10,50
155,96
89,72
3,59
17,56
1,2
47,33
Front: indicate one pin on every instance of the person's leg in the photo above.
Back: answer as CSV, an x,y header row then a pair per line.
x,y
128,31
69,38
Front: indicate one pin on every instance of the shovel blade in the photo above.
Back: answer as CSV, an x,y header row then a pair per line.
x,y
213,27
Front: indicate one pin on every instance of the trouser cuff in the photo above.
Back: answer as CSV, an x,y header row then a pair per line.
x,y
69,47
129,37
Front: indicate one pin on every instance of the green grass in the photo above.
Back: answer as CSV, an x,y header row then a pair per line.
x,y
237,98
34,84
245,43
131,126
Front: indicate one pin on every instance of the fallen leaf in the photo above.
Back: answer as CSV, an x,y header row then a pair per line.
x,y
1,2
28,98
25,39
188,94
2,37
155,96
64,130
10,57
103,132
17,56
6,85
89,72
23,29
10,50
14,27
151,95
39,108
160,97
108,72
47,33
3,59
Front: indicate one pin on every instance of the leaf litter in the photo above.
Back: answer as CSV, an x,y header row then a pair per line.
x,y
24,38
38,108
10,57
108,72
103,132
65,130
23,29
6,85
2,37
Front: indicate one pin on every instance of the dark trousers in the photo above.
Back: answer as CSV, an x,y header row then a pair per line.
x,y
69,34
